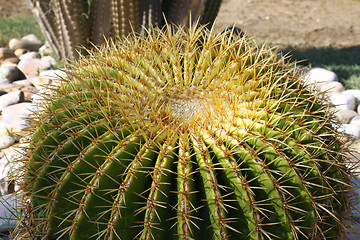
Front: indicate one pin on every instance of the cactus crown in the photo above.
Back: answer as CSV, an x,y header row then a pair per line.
x,y
184,134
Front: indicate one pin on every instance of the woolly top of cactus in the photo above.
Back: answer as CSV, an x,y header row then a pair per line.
x,y
189,107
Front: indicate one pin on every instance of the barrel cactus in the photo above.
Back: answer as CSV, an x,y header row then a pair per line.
x,y
184,134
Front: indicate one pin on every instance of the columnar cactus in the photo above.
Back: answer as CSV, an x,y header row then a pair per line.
x,y
71,24
184,134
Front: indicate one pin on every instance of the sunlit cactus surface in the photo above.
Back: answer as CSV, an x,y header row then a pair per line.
x,y
184,134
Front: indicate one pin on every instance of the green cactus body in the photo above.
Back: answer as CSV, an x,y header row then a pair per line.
x,y
184,134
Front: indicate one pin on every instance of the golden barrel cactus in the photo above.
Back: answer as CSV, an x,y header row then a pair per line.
x,y
185,134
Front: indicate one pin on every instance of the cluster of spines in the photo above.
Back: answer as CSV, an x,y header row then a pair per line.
x,y
71,24
262,162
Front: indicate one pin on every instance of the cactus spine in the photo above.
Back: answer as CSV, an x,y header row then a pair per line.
x,y
185,134
71,24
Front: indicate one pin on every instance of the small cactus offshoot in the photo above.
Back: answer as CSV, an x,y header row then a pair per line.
x,y
185,134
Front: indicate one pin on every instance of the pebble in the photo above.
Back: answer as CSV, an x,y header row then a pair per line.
x,y
352,130
318,76
40,81
354,92
28,42
345,116
10,72
13,60
15,118
29,55
343,101
355,120
6,53
29,91
54,75
33,66
9,87
331,88
45,50
11,98
24,82
8,204
6,141
20,51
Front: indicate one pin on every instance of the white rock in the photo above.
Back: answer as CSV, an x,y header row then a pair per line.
x,y
331,88
352,130
6,141
40,82
29,55
355,121
343,101
54,76
49,59
29,42
15,117
39,100
24,82
345,116
17,110
31,38
9,72
32,66
45,50
319,76
11,98
8,211
53,73
7,166
354,92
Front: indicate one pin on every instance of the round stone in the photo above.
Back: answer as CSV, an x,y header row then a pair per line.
x,y
343,101
13,60
20,51
7,218
318,76
345,116
28,42
29,55
40,81
17,110
33,66
331,88
6,141
354,92
11,98
10,72
6,53
350,129
355,120
15,118
29,91
45,50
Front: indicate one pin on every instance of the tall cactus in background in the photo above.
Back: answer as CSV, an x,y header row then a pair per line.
x,y
70,24
182,134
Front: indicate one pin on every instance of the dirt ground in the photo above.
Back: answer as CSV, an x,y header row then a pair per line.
x,y
298,23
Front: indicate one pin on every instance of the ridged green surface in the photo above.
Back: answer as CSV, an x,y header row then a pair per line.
x,y
185,135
